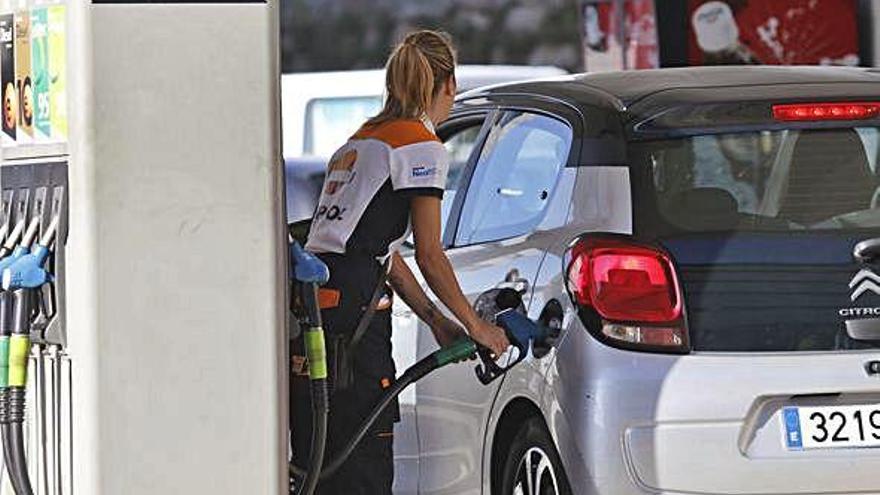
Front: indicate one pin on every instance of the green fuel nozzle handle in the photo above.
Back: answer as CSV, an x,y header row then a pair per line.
x,y
458,351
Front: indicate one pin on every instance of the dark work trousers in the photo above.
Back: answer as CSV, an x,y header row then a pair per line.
x,y
369,470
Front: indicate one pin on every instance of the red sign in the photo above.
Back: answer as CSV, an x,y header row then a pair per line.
x,y
619,34
778,32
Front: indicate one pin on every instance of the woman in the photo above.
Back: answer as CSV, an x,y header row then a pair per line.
x,y
391,174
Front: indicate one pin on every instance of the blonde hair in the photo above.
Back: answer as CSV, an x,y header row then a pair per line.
x,y
416,71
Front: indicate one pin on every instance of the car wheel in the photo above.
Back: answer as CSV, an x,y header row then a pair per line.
x,y
532,466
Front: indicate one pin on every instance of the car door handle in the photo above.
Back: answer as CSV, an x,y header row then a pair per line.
x,y
510,192
514,281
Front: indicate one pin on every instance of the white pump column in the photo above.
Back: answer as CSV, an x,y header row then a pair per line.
x,y
176,252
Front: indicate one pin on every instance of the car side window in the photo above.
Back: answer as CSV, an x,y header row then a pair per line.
x,y
460,144
514,178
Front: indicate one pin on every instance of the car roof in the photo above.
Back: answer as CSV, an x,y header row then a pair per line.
x,y
627,91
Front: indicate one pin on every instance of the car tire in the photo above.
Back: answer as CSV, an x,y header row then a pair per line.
x,y
532,465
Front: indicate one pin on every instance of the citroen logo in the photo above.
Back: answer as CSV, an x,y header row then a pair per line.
x,y
864,281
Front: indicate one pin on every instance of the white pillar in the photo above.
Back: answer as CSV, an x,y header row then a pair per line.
x,y
176,254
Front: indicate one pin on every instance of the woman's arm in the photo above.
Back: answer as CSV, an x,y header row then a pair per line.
x,y
438,272
407,287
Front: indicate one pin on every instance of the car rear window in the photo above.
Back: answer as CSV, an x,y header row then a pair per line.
x,y
762,227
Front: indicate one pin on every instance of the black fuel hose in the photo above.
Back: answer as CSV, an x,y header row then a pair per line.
x,y
9,459
11,463
320,409
458,351
13,429
5,331
316,353
12,467
13,444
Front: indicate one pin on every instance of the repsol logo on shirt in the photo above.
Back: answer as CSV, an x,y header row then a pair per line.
x,y
329,212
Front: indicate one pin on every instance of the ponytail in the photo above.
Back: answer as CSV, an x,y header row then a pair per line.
x,y
416,71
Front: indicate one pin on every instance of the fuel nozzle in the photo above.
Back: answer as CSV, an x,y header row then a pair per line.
x,y
22,273
13,248
522,334
16,245
26,271
309,273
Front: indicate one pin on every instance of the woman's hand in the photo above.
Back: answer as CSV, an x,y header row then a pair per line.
x,y
489,336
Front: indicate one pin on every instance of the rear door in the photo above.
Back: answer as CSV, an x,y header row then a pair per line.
x,y
501,203
779,394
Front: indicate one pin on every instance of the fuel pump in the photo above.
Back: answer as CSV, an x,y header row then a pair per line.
x,y
151,200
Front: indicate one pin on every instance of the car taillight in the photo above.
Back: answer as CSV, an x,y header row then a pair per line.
x,y
632,289
825,111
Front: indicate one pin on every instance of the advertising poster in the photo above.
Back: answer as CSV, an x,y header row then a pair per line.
x,y
601,36
619,35
23,82
57,71
781,32
7,77
40,70
640,28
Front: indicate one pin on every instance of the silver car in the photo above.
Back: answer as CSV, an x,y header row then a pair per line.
x,y
704,245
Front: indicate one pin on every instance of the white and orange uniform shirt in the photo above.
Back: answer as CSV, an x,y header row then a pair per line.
x,y
364,208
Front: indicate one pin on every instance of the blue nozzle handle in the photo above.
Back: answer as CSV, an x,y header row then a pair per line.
x,y
307,268
520,328
14,256
27,271
521,332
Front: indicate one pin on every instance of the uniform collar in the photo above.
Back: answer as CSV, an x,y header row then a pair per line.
x,y
427,122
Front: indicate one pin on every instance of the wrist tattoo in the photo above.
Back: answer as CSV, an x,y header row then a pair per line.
x,y
432,314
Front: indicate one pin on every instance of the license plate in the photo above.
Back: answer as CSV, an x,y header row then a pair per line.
x,y
831,426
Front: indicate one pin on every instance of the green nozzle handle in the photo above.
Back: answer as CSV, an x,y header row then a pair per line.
x,y
458,351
